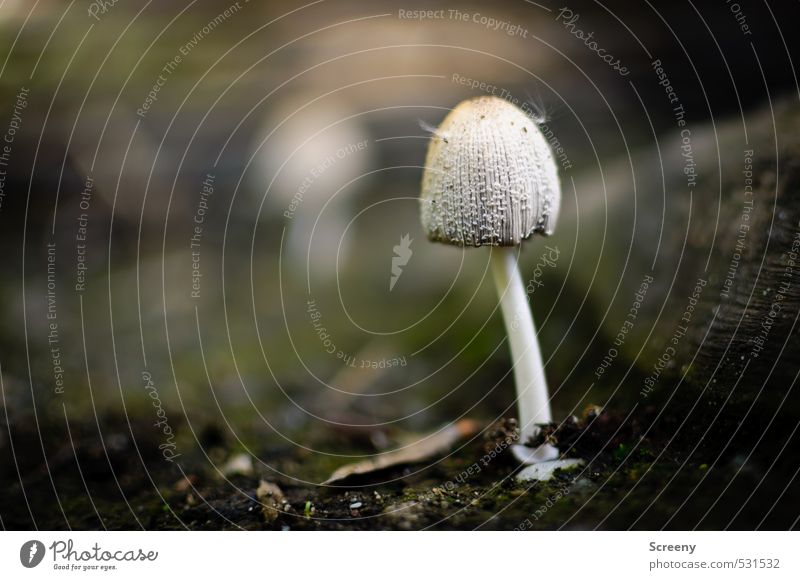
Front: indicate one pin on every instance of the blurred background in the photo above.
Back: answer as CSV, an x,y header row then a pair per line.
x,y
202,201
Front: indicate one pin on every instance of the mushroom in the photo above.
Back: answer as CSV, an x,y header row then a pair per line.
x,y
490,180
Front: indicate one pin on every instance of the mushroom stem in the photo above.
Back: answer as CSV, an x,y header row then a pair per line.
x,y
532,398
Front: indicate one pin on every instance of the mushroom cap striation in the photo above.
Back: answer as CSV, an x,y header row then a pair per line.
x,y
490,178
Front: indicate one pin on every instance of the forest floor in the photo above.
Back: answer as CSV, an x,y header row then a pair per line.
x,y
636,475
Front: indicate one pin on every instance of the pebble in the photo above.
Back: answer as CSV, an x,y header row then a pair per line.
x,y
271,498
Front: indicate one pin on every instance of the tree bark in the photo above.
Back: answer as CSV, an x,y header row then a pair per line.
x,y
721,250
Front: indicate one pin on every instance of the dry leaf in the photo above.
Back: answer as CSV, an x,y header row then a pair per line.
x,y
424,448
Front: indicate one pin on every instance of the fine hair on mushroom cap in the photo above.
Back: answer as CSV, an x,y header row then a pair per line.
x,y
490,177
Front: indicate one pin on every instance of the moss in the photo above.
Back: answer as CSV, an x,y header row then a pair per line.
x,y
629,481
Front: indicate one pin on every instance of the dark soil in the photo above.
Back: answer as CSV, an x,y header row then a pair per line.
x,y
110,474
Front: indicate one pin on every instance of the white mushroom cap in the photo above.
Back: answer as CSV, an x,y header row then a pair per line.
x,y
490,178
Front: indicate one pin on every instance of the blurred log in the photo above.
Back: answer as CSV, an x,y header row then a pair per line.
x,y
722,305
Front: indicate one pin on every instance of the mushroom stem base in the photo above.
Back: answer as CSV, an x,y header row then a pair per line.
x,y
530,455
